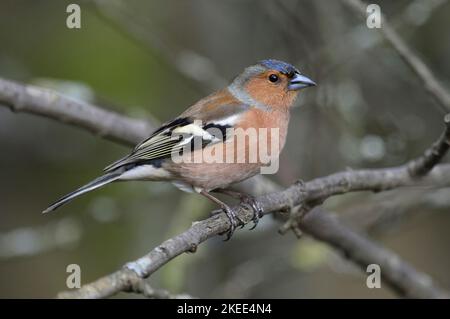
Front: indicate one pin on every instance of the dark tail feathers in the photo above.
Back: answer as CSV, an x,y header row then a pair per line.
x,y
96,183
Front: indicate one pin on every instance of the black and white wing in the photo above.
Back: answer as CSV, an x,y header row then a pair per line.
x,y
173,137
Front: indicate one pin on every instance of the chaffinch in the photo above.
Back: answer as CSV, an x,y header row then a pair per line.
x,y
180,151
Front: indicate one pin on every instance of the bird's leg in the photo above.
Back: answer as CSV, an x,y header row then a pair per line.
x,y
246,199
234,220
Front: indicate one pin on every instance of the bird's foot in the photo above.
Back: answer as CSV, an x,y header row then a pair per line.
x,y
247,200
255,206
235,221
232,217
216,212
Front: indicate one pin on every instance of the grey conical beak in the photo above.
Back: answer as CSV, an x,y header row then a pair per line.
x,y
299,81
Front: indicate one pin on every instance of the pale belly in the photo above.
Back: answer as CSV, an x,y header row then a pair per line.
x,y
214,175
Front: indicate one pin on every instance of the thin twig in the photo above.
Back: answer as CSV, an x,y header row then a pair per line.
x,y
423,72
118,15
143,288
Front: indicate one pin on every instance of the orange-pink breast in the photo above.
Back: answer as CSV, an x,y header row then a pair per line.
x,y
235,160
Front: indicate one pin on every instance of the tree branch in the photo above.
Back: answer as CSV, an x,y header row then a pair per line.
x,y
48,103
399,275
355,247
143,288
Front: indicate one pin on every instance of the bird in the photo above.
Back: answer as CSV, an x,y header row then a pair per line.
x,y
259,98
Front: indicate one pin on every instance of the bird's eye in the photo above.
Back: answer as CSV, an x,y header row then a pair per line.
x,y
273,78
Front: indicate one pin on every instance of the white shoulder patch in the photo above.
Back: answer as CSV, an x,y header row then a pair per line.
x,y
195,130
230,120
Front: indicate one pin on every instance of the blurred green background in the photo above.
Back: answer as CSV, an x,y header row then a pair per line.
x,y
154,59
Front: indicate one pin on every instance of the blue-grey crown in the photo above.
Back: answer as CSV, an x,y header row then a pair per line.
x,y
280,66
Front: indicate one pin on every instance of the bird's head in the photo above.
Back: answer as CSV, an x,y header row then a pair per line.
x,y
269,83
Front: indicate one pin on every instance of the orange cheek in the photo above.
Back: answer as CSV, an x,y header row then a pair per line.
x,y
270,94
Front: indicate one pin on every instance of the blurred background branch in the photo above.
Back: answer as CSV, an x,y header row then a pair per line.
x,y
195,67
48,103
422,71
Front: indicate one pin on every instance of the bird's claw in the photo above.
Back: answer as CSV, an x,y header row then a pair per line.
x,y
256,207
216,212
235,221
